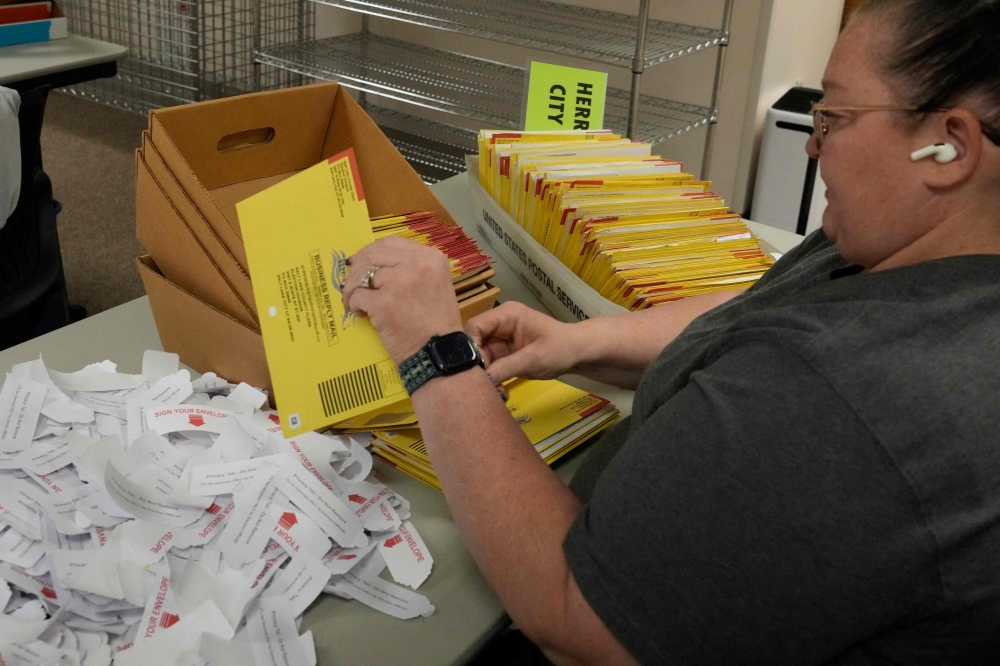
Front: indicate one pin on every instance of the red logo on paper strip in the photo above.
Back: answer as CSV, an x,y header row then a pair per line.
x,y
48,592
357,499
196,420
215,508
169,619
393,541
274,419
287,520
346,557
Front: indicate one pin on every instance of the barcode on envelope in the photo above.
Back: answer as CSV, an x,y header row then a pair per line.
x,y
355,389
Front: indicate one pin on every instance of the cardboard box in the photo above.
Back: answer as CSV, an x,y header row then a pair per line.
x,y
159,216
28,32
208,339
180,255
223,151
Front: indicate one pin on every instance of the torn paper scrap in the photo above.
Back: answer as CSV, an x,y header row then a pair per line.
x,y
300,582
388,598
274,639
407,556
20,404
158,364
307,493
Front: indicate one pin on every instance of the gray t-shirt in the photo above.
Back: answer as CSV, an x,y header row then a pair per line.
x,y
811,475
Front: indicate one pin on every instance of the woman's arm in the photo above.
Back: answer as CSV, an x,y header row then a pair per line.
x,y
519,342
512,510
514,513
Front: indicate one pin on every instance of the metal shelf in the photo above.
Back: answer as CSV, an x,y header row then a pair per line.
x,y
435,151
591,34
483,90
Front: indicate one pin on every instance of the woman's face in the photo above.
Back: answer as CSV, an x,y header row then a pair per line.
x,y
874,202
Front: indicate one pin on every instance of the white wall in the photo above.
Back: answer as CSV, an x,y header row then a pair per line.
x,y
800,36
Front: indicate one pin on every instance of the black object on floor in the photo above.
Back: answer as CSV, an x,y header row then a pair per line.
x,y
32,286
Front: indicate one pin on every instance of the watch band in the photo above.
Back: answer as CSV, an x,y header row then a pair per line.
x,y
417,371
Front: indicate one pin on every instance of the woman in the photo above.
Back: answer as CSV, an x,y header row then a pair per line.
x,y
811,473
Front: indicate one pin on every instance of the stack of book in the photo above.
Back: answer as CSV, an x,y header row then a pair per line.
x,y
633,226
555,417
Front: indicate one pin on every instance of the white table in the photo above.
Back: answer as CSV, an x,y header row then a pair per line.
x,y
468,612
60,62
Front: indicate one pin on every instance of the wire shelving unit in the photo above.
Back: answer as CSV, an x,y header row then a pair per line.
x,y
183,51
490,92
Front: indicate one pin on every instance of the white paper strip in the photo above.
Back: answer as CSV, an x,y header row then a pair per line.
x,y
63,410
307,493
274,557
314,451
300,582
58,481
186,417
19,508
225,478
295,532
89,380
152,450
178,644
143,542
48,456
250,525
40,586
387,597
274,639
19,550
20,404
406,555
341,560
146,503
94,571
61,507
158,364
161,611
238,441
245,394
209,525
111,403
356,466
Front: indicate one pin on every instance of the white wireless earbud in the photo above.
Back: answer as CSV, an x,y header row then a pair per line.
x,y
944,153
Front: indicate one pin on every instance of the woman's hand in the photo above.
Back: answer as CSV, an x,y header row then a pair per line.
x,y
517,341
411,298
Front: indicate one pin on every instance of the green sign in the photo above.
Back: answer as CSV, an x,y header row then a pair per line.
x,y
564,98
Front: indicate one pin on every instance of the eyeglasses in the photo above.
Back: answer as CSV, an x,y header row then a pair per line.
x,y
821,118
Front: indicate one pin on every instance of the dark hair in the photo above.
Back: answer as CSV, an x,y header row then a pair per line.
x,y
944,53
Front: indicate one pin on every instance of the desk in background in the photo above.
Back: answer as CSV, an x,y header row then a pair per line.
x,y
468,612
58,63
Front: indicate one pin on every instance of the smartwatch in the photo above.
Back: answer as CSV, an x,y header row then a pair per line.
x,y
444,355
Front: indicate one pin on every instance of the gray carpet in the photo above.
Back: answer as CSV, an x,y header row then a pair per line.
x,y
88,151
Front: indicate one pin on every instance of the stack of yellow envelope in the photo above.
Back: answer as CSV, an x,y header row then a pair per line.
x,y
555,417
632,225
470,266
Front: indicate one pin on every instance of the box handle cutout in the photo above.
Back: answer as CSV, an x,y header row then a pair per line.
x,y
246,139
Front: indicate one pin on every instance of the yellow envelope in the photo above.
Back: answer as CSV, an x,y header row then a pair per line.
x,y
326,364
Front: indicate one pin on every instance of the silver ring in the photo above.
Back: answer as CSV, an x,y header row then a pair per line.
x,y
366,281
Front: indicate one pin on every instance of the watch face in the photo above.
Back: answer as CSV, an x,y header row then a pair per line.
x,y
453,352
